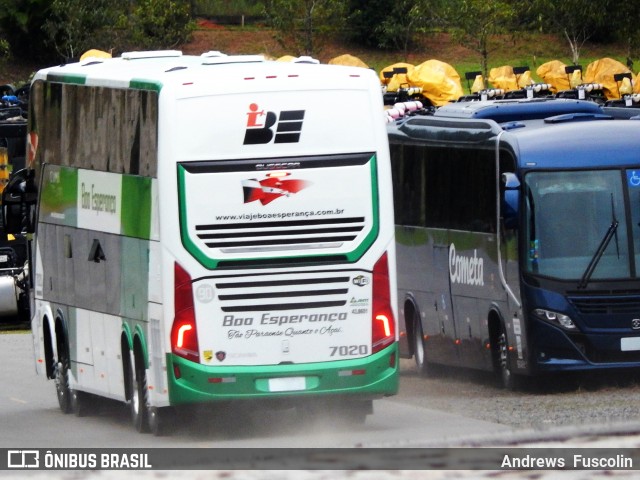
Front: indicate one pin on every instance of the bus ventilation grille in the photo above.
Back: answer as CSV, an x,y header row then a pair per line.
x,y
291,293
610,304
329,233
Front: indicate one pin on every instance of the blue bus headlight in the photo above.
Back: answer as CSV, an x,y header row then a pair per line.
x,y
555,318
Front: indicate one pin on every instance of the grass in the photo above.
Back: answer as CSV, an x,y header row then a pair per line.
x,y
531,50
527,49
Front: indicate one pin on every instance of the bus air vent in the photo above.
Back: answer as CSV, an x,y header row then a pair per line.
x,y
293,292
606,305
281,236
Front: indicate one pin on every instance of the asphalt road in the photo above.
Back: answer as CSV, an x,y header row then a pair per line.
x,y
30,417
404,424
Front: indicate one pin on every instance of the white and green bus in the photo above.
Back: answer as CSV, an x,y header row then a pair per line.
x,y
210,228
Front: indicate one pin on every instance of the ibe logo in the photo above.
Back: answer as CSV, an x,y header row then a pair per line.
x,y
23,459
264,127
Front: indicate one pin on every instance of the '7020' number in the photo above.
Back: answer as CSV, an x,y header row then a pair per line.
x,y
349,350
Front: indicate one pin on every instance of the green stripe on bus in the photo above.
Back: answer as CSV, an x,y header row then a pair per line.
x,y
142,84
70,78
135,218
356,254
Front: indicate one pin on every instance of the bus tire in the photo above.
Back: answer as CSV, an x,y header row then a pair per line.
x,y
61,377
139,398
508,379
80,403
160,421
419,350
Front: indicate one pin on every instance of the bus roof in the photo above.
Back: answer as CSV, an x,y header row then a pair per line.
x,y
156,70
542,133
517,109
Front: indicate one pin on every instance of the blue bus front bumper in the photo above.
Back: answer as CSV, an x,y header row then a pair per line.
x,y
559,350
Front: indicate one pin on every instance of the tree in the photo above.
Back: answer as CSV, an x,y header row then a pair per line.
x,y
74,26
474,24
364,17
576,20
392,25
158,24
21,22
626,21
302,25
404,21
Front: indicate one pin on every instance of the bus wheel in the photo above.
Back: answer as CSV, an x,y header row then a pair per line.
x,y
507,377
139,398
419,351
80,403
63,391
160,420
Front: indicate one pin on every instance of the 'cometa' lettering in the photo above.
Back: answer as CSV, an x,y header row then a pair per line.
x,y
466,270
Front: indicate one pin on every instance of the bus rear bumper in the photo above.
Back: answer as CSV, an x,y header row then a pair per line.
x,y
367,378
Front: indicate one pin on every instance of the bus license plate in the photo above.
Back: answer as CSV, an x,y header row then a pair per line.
x,y
287,384
630,344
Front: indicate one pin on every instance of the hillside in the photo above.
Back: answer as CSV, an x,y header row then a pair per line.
x,y
530,50
526,49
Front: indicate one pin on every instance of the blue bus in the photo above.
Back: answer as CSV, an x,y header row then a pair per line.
x,y
518,236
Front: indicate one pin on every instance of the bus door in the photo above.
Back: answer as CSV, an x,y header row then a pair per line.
x,y
443,341
474,283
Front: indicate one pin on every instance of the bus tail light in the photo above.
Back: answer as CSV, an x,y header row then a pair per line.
x,y
383,322
184,334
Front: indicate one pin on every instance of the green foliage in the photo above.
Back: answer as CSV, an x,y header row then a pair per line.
x,y
625,20
364,16
474,24
5,51
576,20
21,24
403,23
227,7
158,24
302,25
75,26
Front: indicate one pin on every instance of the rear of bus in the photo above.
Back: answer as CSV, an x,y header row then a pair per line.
x,y
277,226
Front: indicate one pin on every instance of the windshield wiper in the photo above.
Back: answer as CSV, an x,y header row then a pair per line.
x,y
611,232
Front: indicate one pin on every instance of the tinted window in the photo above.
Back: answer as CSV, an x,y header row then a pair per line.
x,y
438,187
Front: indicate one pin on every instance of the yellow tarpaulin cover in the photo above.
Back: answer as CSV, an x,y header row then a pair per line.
x,y
504,78
348,60
575,79
93,53
602,71
525,79
554,74
286,58
398,80
478,84
439,81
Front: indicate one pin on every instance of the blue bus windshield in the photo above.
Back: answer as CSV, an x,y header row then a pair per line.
x,y
577,224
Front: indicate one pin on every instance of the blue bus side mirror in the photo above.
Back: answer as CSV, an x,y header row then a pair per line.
x,y
511,199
